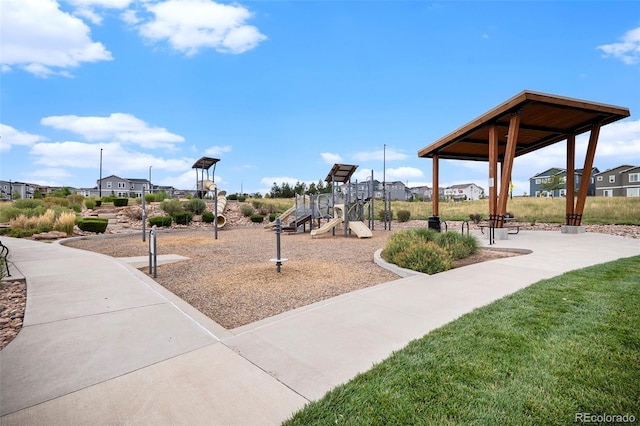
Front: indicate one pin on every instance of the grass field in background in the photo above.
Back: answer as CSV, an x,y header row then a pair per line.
x,y
604,210
562,346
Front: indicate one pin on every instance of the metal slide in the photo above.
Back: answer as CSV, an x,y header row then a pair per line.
x,y
327,226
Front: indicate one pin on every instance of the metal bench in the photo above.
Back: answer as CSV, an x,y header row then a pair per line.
x,y
4,255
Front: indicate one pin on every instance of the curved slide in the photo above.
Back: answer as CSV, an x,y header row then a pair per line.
x,y
222,201
358,227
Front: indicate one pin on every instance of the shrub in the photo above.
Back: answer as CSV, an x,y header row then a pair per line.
x,y
65,222
256,218
8,213
75,198
257,204
90,203
133,212
108,199
171,206
182,218
195,206
380,214
27,203
458,245
160,221
149,198
242,198
404,215
233,197
20,233
424,256
56,201
76,207
160,195
273,216
208,217
93,224
120,202
246,210
475,217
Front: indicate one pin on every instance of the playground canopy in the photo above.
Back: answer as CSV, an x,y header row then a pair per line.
x,y
341,173
523,124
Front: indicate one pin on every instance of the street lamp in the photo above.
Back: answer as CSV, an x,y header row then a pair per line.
x,y
100,181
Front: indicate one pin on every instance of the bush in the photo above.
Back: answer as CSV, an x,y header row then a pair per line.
x,y
476,218
458,245
257,218
428,251
233,197
93,224
133,212
108,199
404,215
65,222
195,206
27,203
242,198
182,218
246,210
273,216
208,217
160,221
19,233
149,198
257,204
56,201
76,207
75,198
160,195
380,214
172,206
120,202
90,203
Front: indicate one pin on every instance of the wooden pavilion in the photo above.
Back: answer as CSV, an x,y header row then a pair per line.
x,y
525,123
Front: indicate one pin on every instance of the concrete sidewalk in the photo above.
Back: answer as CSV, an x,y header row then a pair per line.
x,y
104,344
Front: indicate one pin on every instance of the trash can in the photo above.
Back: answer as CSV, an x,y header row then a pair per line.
x,y
434,223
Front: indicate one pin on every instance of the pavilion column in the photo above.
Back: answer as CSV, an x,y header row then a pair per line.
x,y
588,166
435,193
493,170
570,183
509,155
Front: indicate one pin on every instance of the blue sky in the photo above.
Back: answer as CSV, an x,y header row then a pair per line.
x,y
282,90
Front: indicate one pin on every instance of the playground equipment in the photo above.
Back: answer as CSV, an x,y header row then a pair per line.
x,y
205,186
358,227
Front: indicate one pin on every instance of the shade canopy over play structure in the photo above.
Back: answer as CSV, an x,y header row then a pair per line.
x,y
525,123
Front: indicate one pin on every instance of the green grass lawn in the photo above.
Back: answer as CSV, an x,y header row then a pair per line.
x,y
567,345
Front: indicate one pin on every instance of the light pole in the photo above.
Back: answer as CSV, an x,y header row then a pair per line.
x,y
150,186
100,181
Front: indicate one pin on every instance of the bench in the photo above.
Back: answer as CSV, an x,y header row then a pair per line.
x,y
4,254
509,223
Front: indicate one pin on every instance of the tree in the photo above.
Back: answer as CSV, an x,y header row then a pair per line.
x,y
553,182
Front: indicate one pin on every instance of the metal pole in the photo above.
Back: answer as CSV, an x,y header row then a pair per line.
x,y
153,259
100,181
144,217
215,218
150,186
278,231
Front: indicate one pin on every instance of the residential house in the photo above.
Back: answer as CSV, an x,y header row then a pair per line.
x,y
17,190
395,190
537,182
621,181
121,187
421,191
464,192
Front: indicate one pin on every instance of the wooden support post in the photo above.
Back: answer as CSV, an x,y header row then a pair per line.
x,y
493,169
509,154
586,173
435,192
570,183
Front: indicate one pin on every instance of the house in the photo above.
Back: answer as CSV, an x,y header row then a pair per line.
x,y
121,187
17,190
558,175
421,191
621,181
395,190
464,192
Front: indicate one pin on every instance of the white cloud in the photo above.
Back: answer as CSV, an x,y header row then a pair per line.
x,y
112,4
192,25
627,50
43,40
402,174
10,137
380,155
130,17
217,150
116,158
331,158
89,15
119,127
